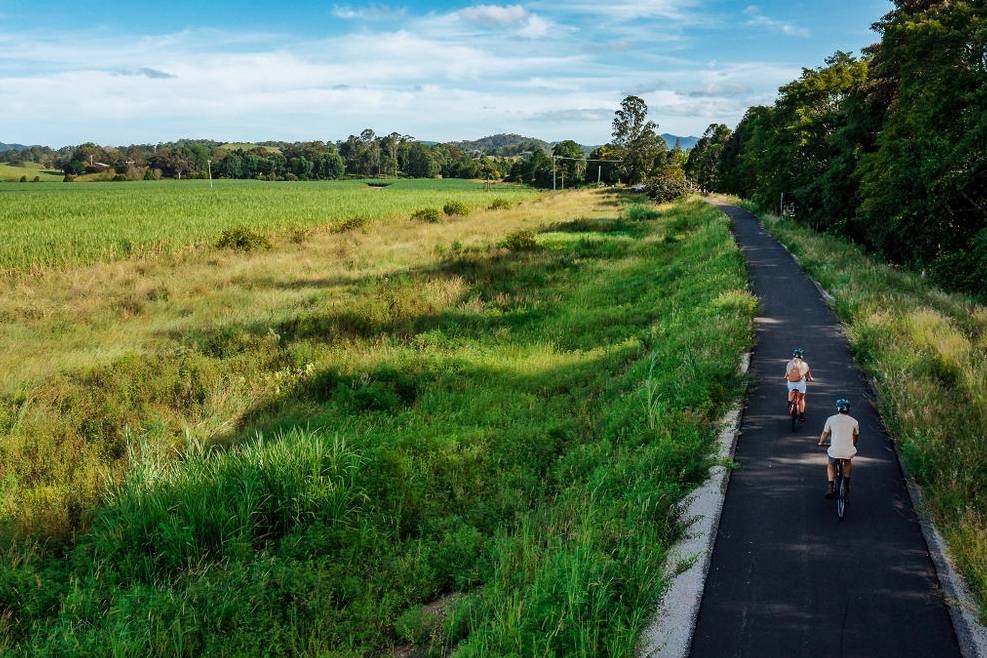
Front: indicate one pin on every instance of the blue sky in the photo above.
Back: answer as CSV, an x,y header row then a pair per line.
x,y
120,73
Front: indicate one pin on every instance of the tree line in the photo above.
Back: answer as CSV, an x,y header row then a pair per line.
x,y
888,149
636,154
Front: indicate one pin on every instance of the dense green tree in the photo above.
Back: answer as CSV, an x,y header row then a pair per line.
x,y
607,173
703,163
420,163
924,186
636,139
889,149
570,163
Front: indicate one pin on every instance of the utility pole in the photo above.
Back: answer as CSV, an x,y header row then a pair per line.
x,y
209,167
599,174
553,173
781,205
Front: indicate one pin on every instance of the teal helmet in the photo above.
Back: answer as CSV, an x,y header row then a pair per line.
x,y
798,353
843,405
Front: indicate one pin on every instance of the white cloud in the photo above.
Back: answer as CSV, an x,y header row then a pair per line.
x,y
481,69
757,19
625,10
367,12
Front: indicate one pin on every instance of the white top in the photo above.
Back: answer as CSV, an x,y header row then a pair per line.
x,y
841,428
799,366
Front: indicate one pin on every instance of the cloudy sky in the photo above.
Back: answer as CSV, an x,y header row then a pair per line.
x,y
119,73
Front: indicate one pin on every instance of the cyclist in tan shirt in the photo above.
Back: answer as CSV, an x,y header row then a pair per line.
x,y
842,430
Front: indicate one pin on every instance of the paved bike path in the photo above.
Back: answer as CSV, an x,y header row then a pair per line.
x,y
787,578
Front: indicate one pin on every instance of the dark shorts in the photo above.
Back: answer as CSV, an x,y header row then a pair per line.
x,y
833,460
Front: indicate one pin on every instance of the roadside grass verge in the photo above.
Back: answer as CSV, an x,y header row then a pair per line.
x,y
480,457
927,352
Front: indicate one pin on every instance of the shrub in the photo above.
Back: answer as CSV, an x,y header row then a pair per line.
x,y
351,224
23,179
242,238
430,215
68,178
523,240
36,179
668,185
501,204
456,208
119,178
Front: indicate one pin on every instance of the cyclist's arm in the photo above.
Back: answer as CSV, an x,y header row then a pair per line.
x,y
808,375
856,435
825,435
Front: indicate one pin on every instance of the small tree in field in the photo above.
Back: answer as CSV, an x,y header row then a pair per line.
x,y
669,184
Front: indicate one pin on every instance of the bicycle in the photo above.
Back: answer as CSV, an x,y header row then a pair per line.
x,y
839,486
793,409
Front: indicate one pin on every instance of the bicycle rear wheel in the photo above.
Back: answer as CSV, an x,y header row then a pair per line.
x,y
841,497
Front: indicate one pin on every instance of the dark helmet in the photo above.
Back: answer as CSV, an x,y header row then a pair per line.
x,y
843,405
798,353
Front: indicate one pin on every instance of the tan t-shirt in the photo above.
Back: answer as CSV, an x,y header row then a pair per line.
x,y
841,428
800,367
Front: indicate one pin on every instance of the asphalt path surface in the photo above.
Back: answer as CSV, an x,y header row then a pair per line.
x,y
787,578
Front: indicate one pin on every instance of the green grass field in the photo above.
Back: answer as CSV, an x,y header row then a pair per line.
x,y
13,173
42,225
927,352
465,438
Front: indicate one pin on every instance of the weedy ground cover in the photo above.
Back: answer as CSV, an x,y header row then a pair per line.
x,y
927,352
411,437
55,224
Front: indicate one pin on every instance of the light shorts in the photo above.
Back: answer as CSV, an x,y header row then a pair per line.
x,y
796,386
833,460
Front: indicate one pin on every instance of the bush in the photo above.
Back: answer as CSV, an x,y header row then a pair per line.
x,y
351,224
668,185
242,238
23,179
68,178
120,178
430,215
152,174
501,204
456,208
36,179
523,240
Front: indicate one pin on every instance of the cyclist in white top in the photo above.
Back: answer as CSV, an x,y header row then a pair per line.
x,y
842,430
797,373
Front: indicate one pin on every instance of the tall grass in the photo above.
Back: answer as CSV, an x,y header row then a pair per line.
x,y
50,224
458,459
927,352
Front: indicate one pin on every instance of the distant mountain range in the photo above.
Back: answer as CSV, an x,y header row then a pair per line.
x,y
13,147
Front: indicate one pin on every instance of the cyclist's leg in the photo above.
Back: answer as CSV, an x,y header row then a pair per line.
x,y
802,390
830,476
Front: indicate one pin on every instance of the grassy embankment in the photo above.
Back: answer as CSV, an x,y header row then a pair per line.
x,y
441,438
927,351
13,173
48,224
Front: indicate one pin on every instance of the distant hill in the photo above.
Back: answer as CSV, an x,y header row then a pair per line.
x,y
513,144
13,147
685,142
504,144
